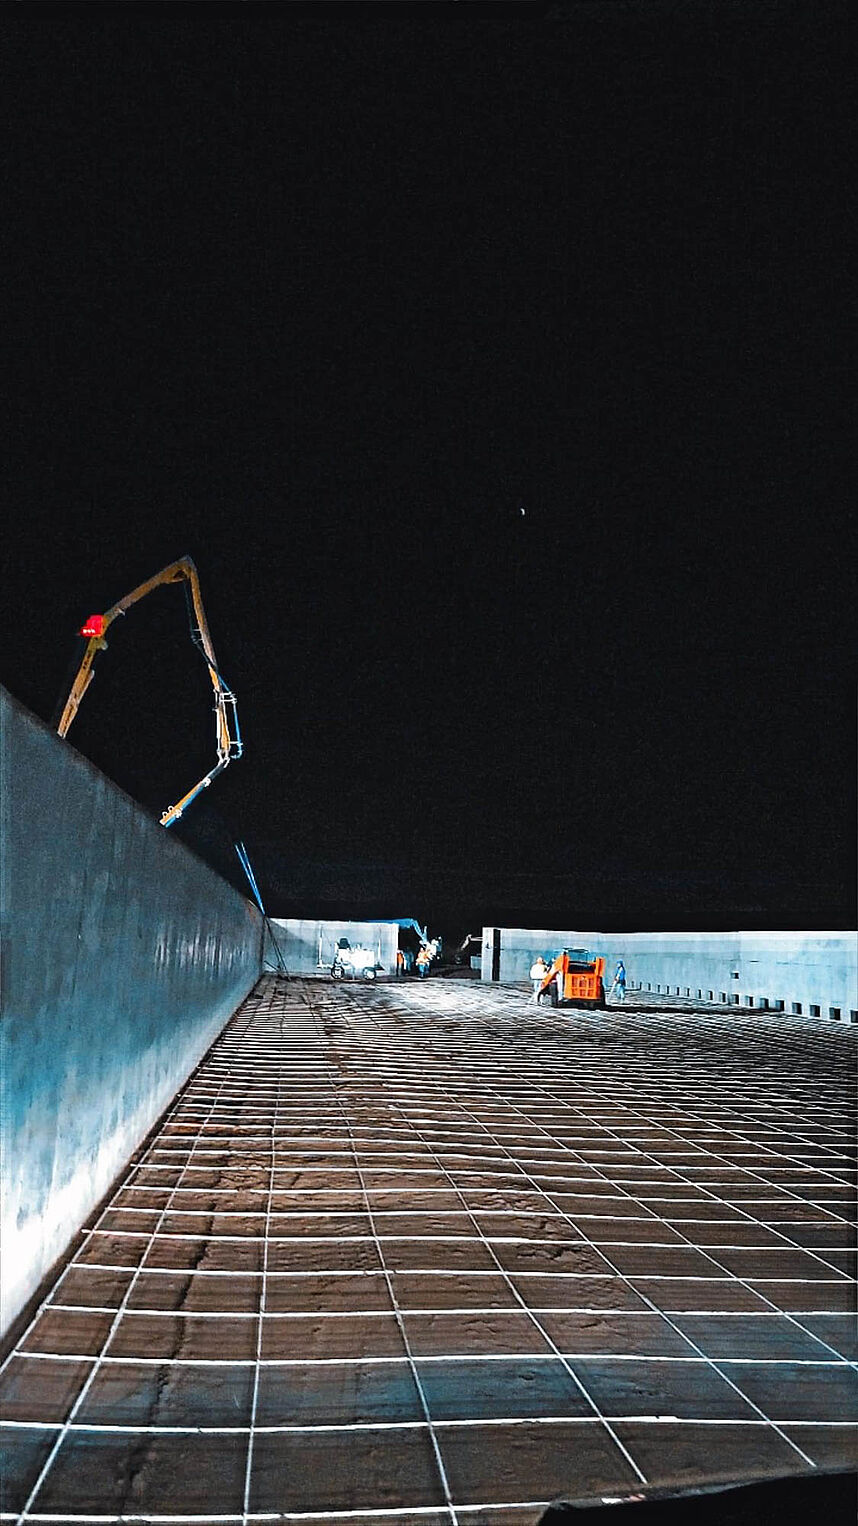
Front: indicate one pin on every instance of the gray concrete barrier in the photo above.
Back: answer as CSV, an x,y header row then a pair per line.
x,y
307,946
812,974
123,955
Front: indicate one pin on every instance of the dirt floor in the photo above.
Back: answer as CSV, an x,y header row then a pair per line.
x,y
431,1253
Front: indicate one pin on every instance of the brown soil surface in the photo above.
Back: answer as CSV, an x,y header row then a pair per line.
x,y
427,1254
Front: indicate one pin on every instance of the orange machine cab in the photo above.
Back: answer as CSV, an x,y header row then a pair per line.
x,y
575,977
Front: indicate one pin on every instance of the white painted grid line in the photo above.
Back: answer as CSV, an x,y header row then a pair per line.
x,y
696,1359
344,1427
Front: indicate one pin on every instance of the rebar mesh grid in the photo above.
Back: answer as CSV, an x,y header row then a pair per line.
x,y
430,1252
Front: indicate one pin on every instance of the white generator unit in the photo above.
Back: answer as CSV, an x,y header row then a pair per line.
x,y
358,963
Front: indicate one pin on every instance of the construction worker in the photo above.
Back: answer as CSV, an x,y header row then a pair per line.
x,y
424,959
538,972
618,985
400,962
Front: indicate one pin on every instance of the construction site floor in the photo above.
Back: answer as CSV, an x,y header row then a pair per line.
x,y
427,1253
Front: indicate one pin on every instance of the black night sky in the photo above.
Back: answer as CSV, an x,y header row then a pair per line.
x,y
324,297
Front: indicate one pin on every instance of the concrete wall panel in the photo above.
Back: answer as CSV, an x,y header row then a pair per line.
x,y
814,971
299,943
123,956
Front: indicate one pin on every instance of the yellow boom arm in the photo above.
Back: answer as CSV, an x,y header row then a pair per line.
x,y
227,734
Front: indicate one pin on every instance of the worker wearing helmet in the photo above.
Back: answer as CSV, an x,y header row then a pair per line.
x,y
618,986
424,959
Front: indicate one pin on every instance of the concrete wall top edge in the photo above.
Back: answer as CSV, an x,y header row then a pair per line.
x,y
355,922
143,822
559,935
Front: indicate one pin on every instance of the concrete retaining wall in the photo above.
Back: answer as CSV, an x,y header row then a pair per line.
x,y
300,943
123,956
814,973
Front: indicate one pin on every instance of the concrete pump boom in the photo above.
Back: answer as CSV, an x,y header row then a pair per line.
x,y
227,734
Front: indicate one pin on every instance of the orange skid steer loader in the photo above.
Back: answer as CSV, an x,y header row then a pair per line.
x,y
574,979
